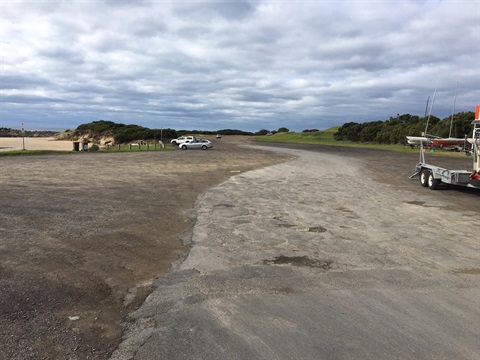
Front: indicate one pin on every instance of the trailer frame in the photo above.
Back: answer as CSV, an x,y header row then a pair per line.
x,y
433,176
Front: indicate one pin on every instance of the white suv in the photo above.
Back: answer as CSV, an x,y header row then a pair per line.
x,y
182,140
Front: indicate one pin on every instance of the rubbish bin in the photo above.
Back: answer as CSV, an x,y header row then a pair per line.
x,y
76,146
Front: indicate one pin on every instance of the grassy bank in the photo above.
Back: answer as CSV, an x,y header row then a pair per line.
x,y
31,152
326,138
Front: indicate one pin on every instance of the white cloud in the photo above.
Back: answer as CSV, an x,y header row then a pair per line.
x,y
235,64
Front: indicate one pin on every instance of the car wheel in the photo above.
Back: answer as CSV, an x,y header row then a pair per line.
x,y
432,182
174,143
204,147
184,147
424,177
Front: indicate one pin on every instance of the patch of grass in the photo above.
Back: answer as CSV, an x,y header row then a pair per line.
x,y
123,148
31,152
136,148
317,137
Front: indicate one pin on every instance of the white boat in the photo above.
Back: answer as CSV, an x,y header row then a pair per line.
x,y
417,140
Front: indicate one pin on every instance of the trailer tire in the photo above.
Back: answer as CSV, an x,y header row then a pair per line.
x,y
432,182
424,173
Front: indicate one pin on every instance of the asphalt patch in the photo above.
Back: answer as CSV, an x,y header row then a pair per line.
x,y
300,261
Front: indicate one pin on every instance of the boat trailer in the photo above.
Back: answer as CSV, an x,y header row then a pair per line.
x,y
433,176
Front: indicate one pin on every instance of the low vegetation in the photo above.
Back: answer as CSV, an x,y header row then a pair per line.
x,y
327,137
7,132
124,134
121,133
395,130
389,134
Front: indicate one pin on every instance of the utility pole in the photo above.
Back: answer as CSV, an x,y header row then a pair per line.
x,y
23,136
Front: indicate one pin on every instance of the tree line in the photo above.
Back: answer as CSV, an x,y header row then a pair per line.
x,y
395,129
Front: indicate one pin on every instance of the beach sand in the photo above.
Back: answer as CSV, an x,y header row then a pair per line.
x,y
34,143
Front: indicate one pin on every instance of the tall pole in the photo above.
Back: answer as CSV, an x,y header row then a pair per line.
x,y
23,136
453,111
430,112
426,107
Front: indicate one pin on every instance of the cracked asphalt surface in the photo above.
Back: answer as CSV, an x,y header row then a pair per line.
x,y
320,257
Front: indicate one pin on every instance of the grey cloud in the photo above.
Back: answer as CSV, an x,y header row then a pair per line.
x,y
231,10
21,82
28,99
208,63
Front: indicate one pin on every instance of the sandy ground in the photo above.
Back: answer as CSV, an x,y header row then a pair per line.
x,y
85,235
9,143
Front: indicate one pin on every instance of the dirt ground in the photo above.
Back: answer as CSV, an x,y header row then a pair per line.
x,y
85,234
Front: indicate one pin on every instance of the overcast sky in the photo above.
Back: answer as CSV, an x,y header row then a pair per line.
x,y
244,64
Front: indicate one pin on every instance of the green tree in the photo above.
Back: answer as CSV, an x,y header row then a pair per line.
x,y
262,132
348,132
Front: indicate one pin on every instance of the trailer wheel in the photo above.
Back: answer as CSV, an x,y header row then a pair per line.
x,y
424,177
432,182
